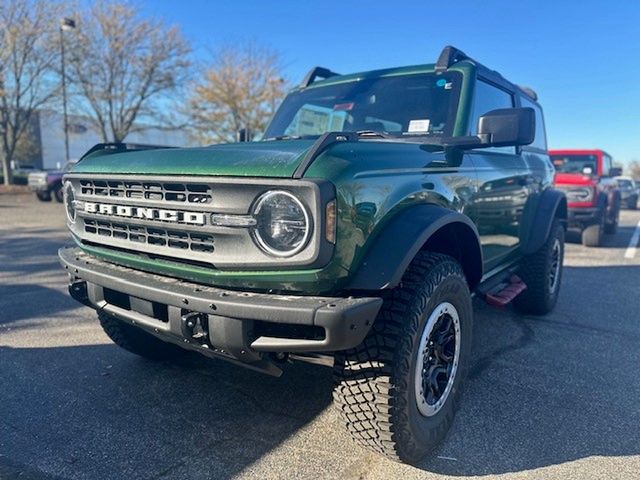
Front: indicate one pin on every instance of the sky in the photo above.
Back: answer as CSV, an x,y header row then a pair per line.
x,y
581,57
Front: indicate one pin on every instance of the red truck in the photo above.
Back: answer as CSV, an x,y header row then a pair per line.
x,y
586,178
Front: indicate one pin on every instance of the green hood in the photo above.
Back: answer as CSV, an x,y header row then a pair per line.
x,y
253,159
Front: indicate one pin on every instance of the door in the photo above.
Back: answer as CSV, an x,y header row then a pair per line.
x,y
503,184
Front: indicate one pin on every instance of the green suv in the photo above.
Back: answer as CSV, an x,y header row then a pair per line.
x,y
354,234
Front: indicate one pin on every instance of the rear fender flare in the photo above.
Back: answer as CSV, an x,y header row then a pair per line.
x,y
551,205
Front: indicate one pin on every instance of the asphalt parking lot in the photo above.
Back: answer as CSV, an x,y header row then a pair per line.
x,y
547,398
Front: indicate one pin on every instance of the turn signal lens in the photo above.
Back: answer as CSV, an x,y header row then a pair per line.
x,y
330,222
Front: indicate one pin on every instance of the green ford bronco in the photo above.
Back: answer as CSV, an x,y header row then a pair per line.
x,y
354,234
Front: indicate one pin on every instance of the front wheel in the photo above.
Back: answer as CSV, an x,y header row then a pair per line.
x,y
398,391
43,196
592,235
136,340
59,194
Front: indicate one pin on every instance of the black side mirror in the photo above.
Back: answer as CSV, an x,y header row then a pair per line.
x,y
507,127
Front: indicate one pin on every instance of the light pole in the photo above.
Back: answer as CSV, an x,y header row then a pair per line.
x,y
65,24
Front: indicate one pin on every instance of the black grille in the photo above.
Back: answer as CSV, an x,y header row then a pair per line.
x,y
159,191
196,242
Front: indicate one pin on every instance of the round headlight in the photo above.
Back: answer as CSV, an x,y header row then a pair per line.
x,y
282,223
70,201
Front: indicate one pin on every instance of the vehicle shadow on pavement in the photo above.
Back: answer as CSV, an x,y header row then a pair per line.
x,y
549,390
32,283
100,412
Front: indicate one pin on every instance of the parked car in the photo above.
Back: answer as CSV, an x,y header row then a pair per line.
x,y
353,236
593,196
24,169
48,183
628,191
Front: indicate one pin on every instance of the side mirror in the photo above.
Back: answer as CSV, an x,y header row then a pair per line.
x,y
507,127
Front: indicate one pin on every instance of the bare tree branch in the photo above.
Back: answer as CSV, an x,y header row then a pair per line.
x,y
28,56
123,67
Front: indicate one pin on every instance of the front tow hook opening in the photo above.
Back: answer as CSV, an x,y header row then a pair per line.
x,y
195,325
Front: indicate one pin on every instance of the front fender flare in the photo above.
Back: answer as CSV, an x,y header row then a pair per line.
x,y
402,237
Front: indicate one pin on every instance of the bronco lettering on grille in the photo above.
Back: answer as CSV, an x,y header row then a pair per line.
x,y
192,218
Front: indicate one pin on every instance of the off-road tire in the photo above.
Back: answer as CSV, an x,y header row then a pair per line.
x,y
58,193
374,382
138,341
536,269
43,196
592,235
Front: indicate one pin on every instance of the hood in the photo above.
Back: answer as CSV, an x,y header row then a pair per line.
x,y
573,179
252,159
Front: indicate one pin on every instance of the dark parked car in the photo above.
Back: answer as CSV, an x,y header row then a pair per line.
x,y
48,183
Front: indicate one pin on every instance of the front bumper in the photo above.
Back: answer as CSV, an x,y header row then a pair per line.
x,y
236,326
580,218
39,187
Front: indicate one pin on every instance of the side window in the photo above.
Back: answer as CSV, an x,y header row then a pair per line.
x,y
487,98
541,137
606,165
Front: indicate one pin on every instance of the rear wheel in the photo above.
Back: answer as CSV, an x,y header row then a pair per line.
x,y
398,391
542,273
138,341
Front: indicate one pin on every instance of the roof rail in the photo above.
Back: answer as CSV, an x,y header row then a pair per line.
x,y
315,73
529,92
449,56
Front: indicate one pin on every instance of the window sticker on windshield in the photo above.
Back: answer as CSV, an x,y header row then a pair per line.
x,y
343,106
419,126
442,83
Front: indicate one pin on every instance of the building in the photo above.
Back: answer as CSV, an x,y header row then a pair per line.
x,y
47,139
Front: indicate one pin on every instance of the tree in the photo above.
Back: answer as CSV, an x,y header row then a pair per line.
x,y
124,68
28,59
634,169
240,89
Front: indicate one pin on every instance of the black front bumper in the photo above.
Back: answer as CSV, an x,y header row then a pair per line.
x,y
237,326
581,218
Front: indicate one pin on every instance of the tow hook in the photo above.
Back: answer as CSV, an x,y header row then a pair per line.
x,y
194,325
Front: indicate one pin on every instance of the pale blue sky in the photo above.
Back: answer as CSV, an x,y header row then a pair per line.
x,y
582,57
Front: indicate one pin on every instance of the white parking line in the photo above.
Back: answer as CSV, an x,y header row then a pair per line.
x,y
633,243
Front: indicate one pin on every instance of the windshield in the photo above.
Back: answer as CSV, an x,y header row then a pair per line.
x,y
414,104
575,163
623,182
